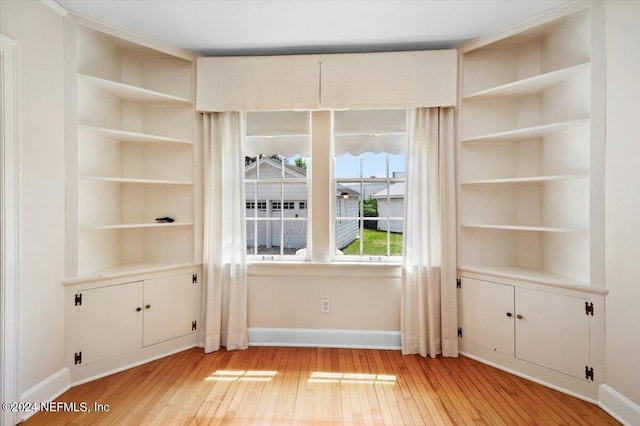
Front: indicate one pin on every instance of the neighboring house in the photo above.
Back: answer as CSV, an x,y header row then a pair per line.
x,y
267,201
391,206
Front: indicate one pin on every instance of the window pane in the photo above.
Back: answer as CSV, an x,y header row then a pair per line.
x,y
294,194
296,166
348,200
374,165
348,236
251,236
397,165
269,237
295,236
347,166
396,228
374,241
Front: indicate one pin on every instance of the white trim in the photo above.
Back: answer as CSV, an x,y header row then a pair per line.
x,y
619,406
47,390
131,365
56,7
10,225
531,378
324,338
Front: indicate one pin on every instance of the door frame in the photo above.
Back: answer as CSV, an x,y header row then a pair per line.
x,y
9,225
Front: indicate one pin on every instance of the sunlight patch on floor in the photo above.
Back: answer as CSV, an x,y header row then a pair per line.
x,y
351,378
242,376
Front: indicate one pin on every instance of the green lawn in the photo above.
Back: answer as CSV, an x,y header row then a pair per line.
x,y
375,244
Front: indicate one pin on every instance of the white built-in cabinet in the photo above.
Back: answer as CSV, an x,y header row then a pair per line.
x,y
530,135
132,138
530,201
119,322
133,283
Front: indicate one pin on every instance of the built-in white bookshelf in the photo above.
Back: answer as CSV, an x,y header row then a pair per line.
x,y
135,154
525,152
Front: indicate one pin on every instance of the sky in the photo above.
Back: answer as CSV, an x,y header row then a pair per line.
x,y
373,165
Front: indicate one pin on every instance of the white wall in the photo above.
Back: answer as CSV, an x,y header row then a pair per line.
x,y
288,296
623,199
39,31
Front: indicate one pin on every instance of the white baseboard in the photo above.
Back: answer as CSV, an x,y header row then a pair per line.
x,y
529,377
130,365
320,338
620,407
47,390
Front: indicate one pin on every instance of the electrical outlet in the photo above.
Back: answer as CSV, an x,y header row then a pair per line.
x,y
324,305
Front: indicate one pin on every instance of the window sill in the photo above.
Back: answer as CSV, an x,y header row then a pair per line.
x,y
330,269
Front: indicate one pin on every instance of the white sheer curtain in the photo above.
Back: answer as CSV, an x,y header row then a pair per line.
x,y
224,248
428,300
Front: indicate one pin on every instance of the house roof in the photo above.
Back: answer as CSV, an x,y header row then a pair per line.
x,y
297,172
340,189
396,190
292,169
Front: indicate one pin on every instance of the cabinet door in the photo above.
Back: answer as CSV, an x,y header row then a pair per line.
x,y
553,332
486,314
109,323
171,306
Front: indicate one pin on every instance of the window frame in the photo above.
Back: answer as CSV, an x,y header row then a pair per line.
x,y
282,181
389,258
320,206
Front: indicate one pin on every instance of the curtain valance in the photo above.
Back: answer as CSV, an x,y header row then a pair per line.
x,y
336,81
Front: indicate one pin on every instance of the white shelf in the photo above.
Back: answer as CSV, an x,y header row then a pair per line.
x,y
522,273
134,137
133,180
534,228
139,225
529,132
128,269
132,93
529,86
529,179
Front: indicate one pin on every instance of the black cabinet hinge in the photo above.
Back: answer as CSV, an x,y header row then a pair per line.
x,y
588,372
77,358
459,331
588,308
78,299
458,283
194,325
194,279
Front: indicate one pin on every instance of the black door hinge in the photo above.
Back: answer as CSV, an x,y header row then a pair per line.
x,y
194,325
78,299
194,279
458,283
588,372
77,358
588,308
459,331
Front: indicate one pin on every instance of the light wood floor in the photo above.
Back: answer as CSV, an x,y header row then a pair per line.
x,y
311,386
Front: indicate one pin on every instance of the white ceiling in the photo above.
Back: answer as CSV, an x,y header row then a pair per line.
x,y
244,27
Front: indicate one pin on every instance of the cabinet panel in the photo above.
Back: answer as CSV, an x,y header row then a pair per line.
x,y
483,315
553,332
171,305
108,323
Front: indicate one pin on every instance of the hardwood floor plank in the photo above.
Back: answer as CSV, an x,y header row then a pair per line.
x,y
319,386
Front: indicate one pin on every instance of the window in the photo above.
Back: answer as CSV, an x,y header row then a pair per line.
x,y
277,155
369,179
363,213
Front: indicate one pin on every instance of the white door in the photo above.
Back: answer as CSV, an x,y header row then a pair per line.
x,y
109,322
486,315
171,304
553,331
